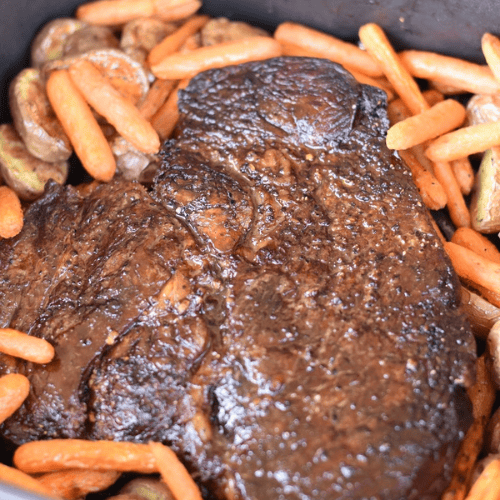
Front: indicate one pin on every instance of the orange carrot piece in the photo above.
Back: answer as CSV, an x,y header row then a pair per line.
x,y
328,47
111,12
368,80
115,12
377,44
473,267
14,389
174,42
25,346
174,10
74,484
477,242
178,66
457,208
11,213
464,142
165,119
433,194
22,480
63,454
487,485
491,50
458,73
156,96
118,110
433,96
438,120
81,127
464,173
174,474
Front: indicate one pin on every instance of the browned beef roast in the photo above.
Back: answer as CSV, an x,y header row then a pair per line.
x,y
278,309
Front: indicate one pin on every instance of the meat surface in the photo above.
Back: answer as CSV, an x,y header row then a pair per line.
x,y
276,307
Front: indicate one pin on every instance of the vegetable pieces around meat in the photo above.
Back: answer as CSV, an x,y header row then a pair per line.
x,y
14,389
25,346
11,213
85,134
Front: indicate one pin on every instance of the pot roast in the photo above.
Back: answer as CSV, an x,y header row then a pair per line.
x,y
275,306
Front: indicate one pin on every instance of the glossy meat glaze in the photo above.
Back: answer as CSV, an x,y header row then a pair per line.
x,y
276,305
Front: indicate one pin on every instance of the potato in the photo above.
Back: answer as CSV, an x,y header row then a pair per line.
x,y
21,171
35,120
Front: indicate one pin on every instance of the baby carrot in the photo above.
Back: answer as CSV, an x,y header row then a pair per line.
x,y
368,80
377,44
156,96
491,50
165,119
178,66
81,127
11,213
118,110
326,46
174,42
452,71
433,194
473,267
14,389
431,123
487,485
457,208
18,478
463,172
478,243
115,12
63,454
25,346
174,10
464,142
174,474
74,484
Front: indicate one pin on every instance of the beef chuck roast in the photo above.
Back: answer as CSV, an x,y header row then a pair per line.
x,y
277,307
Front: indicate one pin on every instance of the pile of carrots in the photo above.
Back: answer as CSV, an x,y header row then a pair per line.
x,y
426,129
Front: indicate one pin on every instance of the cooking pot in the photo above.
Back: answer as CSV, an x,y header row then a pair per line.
x,y
451,27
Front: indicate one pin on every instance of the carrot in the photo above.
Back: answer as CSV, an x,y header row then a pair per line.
x,y
114,12
491,50
25,346
11,213
326,46
368,80
433,96
14,389
174,474
460,74
156,96
478,243
376,43
464,142
118,110
178,66
441,118
81,127
76,483
63,454
166,10
457,208
487,485
166,117
473,267
463,172
433,194
22,480
174,42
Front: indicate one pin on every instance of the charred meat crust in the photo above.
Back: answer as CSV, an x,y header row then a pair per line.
x,y
277,308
